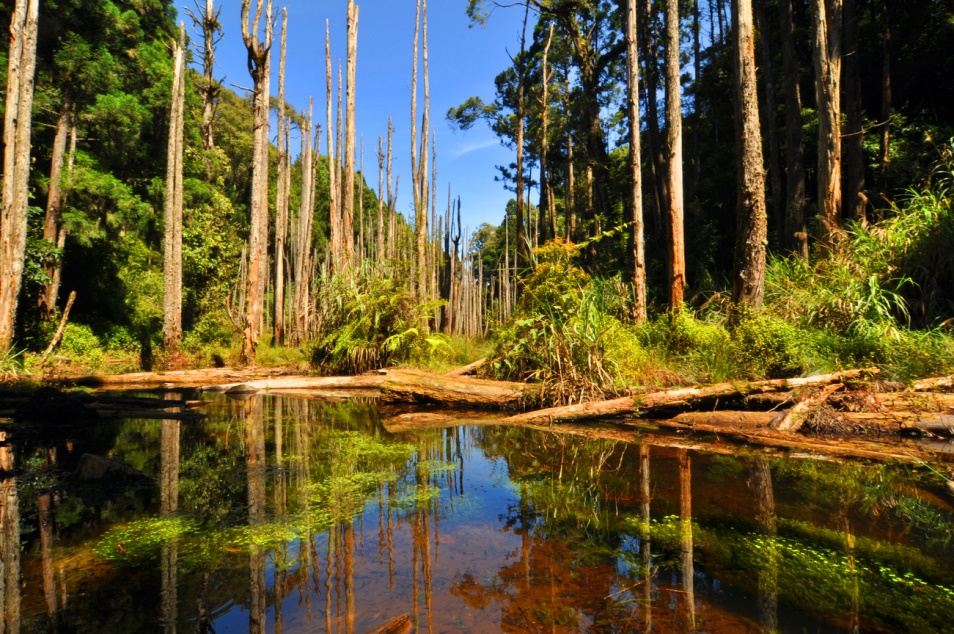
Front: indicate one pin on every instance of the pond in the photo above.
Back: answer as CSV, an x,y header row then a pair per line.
x,y
279,514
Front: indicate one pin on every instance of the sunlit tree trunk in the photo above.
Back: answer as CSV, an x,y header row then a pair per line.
x,y
305,221
771,123
651,76
172,233
258,66
885,89
21,65
334,220
795,239
523,252
347,215
52,223
749,275
637,243
281,194
676,230
208,21
827,19
546,205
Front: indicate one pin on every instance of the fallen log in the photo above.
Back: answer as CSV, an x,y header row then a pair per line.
x,y
792,419
181,378
409,386
59,331
936,383
629,405
468,369
301,383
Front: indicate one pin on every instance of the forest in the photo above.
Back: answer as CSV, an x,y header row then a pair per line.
x,y
701,191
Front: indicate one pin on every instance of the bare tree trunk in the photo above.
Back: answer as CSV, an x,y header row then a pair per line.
x,y
258,66
649,39
172,233
54,203
347,216
523,252
379,252
334,220
749,278
677,242
425,154
795,239
392,220
21,66
854,151
827,17
637,242
771,123
281,195
419,166
208,22
305,218
570,191
885,89
697,71
545,203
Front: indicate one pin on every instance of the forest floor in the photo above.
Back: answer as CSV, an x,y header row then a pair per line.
x,y
846,415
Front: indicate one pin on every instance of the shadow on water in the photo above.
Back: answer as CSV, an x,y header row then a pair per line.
x,y
288,515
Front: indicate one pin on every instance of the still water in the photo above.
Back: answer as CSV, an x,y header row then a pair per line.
x,y
281,514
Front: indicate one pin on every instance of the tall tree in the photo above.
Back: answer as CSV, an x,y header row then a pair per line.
x,y
676,254
55,200
827,21
282,184
334,203
771,122
172,232
305,218
258,67
637,243
419,162
523,250
347,215
749,275
207,21
21,67
853,138
795,239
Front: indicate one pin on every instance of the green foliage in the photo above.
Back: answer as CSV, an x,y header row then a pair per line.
x,y
561,335
371,320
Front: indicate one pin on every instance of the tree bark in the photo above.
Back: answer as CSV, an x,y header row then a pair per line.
x,y
749,276
827,18
657,162
21,66
420,212
637,241
208,22
675,223
854,151
546,205
306,216
334,220
55,202
281,194
795,239
347,216
172,232
771,124
258,66
523,251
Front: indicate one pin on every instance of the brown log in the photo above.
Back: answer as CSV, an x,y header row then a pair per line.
x,y
631,405
936,383
421,387
301,384
792,419
468,369
722,419
183,378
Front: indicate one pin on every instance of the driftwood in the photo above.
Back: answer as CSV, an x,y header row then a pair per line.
x,y
301,384
468,369
629,405
792,419
409,386
179,378
936,383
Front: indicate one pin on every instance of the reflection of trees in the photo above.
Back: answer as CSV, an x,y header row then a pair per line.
x,y
9,541
766,518
255,465
168,506
686,613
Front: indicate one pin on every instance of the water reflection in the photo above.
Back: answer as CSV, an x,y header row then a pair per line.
x,y
288,515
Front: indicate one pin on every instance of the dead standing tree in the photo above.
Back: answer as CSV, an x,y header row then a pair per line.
x,y
637,242
826,16
172,232
347,194
419,166
676,254
258,67
207,21
281,193
21,66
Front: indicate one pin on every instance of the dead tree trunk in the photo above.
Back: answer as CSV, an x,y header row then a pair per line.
x,y
796,234
54,203
677,249
379,252
333,203
258,68
281,194
347,216
21,65
637,242
523,252
545,203
826,15
419,165
749,278
305,218
172,233
208,22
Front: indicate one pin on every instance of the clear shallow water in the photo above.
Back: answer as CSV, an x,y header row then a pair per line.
x,y
286,515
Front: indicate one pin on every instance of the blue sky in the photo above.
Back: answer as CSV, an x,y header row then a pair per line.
x,y
463,62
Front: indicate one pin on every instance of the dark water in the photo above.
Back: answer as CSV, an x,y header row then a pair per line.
x,y
286,515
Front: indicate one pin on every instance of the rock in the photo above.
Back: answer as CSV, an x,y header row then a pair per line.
x,y
93,468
